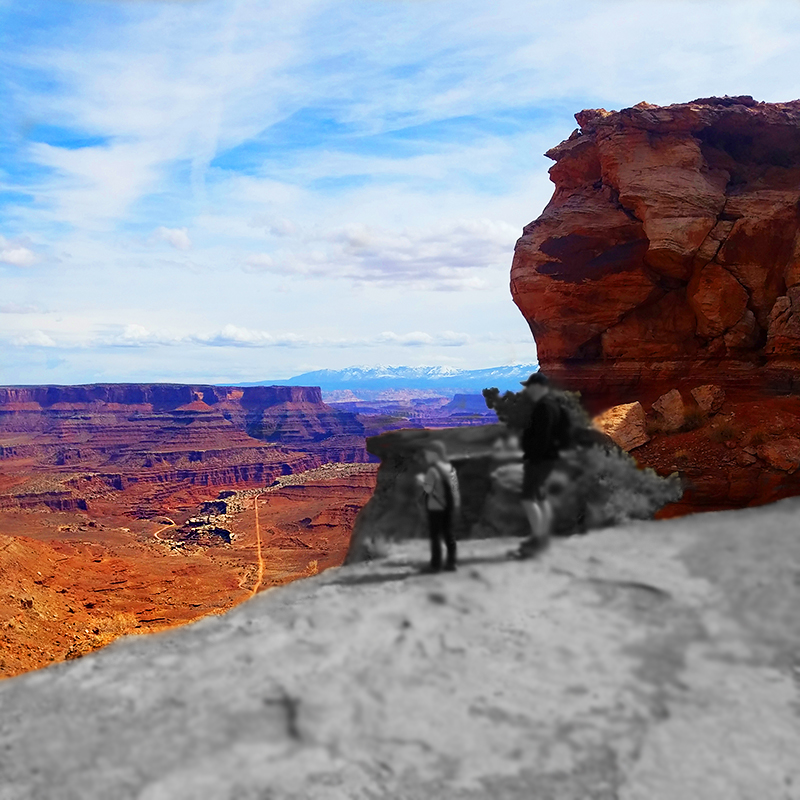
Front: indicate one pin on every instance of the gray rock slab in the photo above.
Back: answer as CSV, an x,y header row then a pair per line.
x,y
657,661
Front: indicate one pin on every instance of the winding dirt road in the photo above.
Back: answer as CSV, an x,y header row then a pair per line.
x,y
165,528
258,583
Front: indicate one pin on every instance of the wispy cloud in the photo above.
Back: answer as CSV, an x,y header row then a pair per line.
x,y
19,308
444,256
135,335
176,237
361,167
33,339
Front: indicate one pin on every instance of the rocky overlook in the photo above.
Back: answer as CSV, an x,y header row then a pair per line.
x,y
653,662
669,254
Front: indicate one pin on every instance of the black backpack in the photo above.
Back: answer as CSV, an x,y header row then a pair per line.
x,y
566,425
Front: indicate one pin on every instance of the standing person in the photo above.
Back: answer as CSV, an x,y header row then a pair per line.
x,y
541,439
443,500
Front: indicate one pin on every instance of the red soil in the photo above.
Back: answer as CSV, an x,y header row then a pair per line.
x,y
71,581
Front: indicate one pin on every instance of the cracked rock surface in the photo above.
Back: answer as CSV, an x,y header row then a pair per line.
x,y
669,252
658,661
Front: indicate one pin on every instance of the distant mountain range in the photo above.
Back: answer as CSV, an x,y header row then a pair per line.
x,y
446,380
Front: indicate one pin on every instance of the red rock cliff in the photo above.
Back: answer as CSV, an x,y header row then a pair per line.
x,y
669,253
60,445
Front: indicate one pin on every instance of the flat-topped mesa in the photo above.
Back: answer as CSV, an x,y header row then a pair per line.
x,y
669,253
160,396
161,436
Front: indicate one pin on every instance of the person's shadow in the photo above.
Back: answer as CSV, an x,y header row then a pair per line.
x,y
416,569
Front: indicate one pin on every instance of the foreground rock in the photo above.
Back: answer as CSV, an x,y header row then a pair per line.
x,y
669,255
655,662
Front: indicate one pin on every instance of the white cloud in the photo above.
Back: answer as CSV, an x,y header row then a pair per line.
x,y
177,237
18,308
275,227
135,335
420,338
12,252
449,255
260,262
33,339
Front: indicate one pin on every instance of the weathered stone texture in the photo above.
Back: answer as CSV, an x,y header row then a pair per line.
x,y
669,252
783,454
626,424
669,410
709,398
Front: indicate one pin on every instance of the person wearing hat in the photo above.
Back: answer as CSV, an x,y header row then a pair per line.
x,y
540,448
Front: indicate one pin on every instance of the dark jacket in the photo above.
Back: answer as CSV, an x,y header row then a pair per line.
x,y
540,436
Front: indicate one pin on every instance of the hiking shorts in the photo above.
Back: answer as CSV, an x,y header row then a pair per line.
x,y
534,474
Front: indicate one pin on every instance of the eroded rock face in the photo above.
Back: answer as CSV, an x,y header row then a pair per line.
x,y
626,424
669,255
61,446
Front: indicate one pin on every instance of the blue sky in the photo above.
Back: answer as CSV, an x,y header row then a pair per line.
x,y
235,191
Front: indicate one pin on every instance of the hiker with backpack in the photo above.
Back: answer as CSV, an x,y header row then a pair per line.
x,y
442,501
547,432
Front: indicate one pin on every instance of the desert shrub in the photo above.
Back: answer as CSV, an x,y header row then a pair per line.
x,y
681,456
693,419
724,432
653,427
614,489
758,437
514,408
606,486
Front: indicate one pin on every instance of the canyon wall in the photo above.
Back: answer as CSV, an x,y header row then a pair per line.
x,y
64,446
669,254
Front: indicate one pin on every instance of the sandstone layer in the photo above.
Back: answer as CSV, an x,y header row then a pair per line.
x,y
669,254
654,662
67,447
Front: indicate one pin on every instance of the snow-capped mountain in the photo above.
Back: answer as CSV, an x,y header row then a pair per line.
x,y
447,379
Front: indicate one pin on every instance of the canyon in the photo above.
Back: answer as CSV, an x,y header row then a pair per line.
x,y
666,263
132,446
132,508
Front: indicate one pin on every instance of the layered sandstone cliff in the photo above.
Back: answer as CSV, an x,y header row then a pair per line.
x,y
669,254
63,445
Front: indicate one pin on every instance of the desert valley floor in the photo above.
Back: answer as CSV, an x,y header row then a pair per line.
x,y
73,581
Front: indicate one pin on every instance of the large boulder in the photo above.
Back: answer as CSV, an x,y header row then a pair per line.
x,y
670,411
625,424
669,254
709,398
783,454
